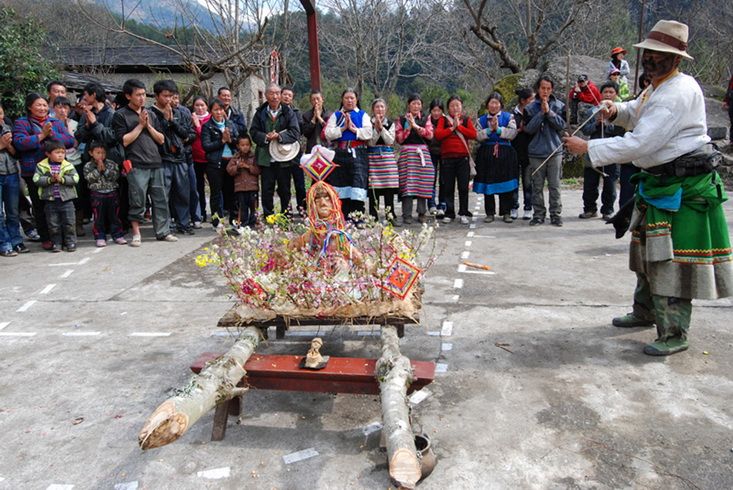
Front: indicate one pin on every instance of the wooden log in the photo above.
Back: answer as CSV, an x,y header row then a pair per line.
x,y
215,384
395,375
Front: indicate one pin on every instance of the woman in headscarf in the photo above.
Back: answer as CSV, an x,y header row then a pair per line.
x,y
414,131
497,171
349,129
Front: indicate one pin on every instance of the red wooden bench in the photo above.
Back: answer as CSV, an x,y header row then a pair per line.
x,y
283,372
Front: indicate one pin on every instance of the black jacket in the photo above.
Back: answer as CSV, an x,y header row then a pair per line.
x,y
211,140
286,124
177,132
100,131
240,122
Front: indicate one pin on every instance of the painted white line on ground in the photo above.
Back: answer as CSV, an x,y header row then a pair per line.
x,y
484,236
26,306
300,455
215,473
468,243
472,226
458,284
128,485
97,250
461,267
47,289
441,368
470,234
487,273
59,486
434,333
465,254
17,334
455,298
80,334
474,218
371,428
447,329
150,334
84,261
66,274
4,324
63,264
419,396
446,346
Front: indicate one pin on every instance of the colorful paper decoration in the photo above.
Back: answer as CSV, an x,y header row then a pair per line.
x,y
318,166
400,278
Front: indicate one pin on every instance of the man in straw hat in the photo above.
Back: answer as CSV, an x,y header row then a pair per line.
x,y
680,247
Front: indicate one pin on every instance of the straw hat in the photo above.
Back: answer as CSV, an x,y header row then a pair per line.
x,y
283,152
667,36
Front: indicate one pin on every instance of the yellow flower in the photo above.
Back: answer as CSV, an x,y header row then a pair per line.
x,y
202,260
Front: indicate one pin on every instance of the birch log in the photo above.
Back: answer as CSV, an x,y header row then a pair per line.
x,y
216,383
394,373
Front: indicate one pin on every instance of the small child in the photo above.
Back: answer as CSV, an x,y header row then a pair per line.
x,y
245,170
101,176
56,179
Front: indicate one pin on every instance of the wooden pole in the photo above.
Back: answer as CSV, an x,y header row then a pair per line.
x,y
638,51
394,373
216,383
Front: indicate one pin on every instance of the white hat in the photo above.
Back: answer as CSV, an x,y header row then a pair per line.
x,y
283,152
667,36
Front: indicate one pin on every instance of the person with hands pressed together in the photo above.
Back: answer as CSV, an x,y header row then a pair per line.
x,y
218,135
11,242
140,132
680,247
545,123
384,180
102,176
314,121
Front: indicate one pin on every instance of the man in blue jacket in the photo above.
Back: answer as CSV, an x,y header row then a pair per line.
x,y
546,123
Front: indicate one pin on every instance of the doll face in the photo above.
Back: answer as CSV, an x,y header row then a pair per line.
x,y
324,205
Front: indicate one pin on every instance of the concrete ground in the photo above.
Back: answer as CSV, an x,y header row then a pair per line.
x,y
539,391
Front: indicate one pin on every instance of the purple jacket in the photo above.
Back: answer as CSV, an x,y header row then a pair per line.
x,y
30,150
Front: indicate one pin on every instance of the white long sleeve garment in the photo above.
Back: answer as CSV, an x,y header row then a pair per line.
x,y
665,122
333,131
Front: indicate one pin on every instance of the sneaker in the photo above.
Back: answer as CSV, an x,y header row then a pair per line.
x,y
422,219
407,220
189,231
101,243
630,320
47,245
447,220
54,248
21,248
440,213
168,238
120,240
465,220
666,347
588,215
433,210
607,217
136,241
527,214
33,236
71,247
536,221
508,218
489,219
8,253
514,214
469,214
556,220
197,225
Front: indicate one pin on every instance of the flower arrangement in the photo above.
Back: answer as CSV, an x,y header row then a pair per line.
x,y
271,275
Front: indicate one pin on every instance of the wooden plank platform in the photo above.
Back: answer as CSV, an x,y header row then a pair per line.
x,y
232,320
341,375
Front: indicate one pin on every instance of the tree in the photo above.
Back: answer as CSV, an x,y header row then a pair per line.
x,y
23,68
522,32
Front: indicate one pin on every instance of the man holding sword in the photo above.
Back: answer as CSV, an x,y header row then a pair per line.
x,y
680,247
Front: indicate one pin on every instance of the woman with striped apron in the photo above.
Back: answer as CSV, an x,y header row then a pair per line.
x,y
383,175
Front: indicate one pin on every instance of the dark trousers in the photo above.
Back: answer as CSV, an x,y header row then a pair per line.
x,y
215,175
39,212
200,171
278,174
178,189
349,206
506,200
299,183
9,214
247,202
61,220
730,116
437,200
526,188
193,194
27,221
388,196
106,215
82,203
452,171
227,193
627,188
591,179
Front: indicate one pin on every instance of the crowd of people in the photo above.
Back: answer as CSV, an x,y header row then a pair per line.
x,y
116,163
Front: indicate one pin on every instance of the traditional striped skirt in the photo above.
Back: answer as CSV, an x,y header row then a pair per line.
x,y
383,168
416,171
